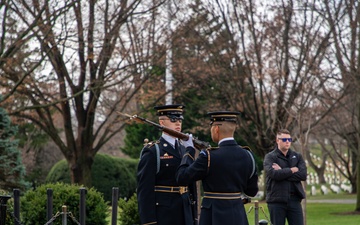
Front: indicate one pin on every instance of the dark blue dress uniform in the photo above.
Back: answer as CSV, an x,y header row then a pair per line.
x,y
227,173
161,200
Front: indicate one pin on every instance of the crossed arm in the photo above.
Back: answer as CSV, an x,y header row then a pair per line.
x,y
276,172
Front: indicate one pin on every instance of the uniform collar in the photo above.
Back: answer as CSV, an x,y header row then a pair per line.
x,y
169,139
226,139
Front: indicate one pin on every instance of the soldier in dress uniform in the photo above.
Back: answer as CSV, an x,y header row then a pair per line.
x,y
161,200
228,172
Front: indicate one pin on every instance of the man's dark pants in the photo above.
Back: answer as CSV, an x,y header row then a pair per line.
x,y
291,211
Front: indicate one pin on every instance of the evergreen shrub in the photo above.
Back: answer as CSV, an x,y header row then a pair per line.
x,y
9,207
12,170
33,205
134,139
106,172
129,214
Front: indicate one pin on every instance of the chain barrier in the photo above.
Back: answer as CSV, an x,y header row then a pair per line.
x,y
51,220
251,207
263,211
73,218
267,218
62,213
13,216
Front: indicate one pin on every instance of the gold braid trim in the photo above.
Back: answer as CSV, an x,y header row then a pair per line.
x,y
208,153
188,154
150,223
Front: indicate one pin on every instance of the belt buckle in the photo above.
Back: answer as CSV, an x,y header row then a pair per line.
x,y
182,190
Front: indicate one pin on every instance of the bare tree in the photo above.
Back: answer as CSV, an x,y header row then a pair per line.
x,y
83,70
268,66
343,21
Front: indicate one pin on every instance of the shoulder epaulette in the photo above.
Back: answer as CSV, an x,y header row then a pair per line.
x,y
246,148
151,144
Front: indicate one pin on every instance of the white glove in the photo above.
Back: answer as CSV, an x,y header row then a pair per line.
x,y
189,142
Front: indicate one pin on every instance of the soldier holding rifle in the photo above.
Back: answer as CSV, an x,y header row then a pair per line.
x,y
227,173
161,200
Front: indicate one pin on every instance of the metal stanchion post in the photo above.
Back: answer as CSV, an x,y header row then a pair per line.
x,y
49,204
115,196
256,212
16,193
82,206
3,206
64,215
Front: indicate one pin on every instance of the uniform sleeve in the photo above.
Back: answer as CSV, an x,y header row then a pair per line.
x,y
145,187
189,170
252,184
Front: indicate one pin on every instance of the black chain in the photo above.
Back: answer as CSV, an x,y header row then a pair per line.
x,y
61,213
53,218
73,218
16,219
263,211
50,221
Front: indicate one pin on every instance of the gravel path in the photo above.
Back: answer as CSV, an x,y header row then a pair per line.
x,y
337,201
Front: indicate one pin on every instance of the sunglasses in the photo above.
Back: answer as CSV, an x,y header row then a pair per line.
x,y
174,120
285,139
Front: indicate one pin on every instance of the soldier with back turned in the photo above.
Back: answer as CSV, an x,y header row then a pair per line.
x,y
227,173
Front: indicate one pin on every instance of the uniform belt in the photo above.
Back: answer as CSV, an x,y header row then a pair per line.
x,y
223,195
170,189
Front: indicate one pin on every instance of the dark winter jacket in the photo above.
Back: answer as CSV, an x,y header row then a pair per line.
x,y
281,184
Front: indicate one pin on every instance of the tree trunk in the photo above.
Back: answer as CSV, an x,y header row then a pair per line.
x,y
357,208
80,170
320,171
358,183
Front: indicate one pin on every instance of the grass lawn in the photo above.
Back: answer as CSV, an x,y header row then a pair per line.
x,y
316,213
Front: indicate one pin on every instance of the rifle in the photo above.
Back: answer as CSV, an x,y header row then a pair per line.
x,y
197,143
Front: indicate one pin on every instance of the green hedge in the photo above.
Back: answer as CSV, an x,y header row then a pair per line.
x,y
33,205
107,172
9,206
129,214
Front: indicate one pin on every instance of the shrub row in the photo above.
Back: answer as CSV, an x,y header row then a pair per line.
x,y
107,172
33,205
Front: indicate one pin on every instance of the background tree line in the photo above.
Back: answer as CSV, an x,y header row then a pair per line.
x,y
68,68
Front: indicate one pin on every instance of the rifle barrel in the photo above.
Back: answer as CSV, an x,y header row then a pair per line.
x,y
197,143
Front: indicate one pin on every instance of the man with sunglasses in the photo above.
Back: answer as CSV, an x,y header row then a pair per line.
x,y
284,169
227,172
161,200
